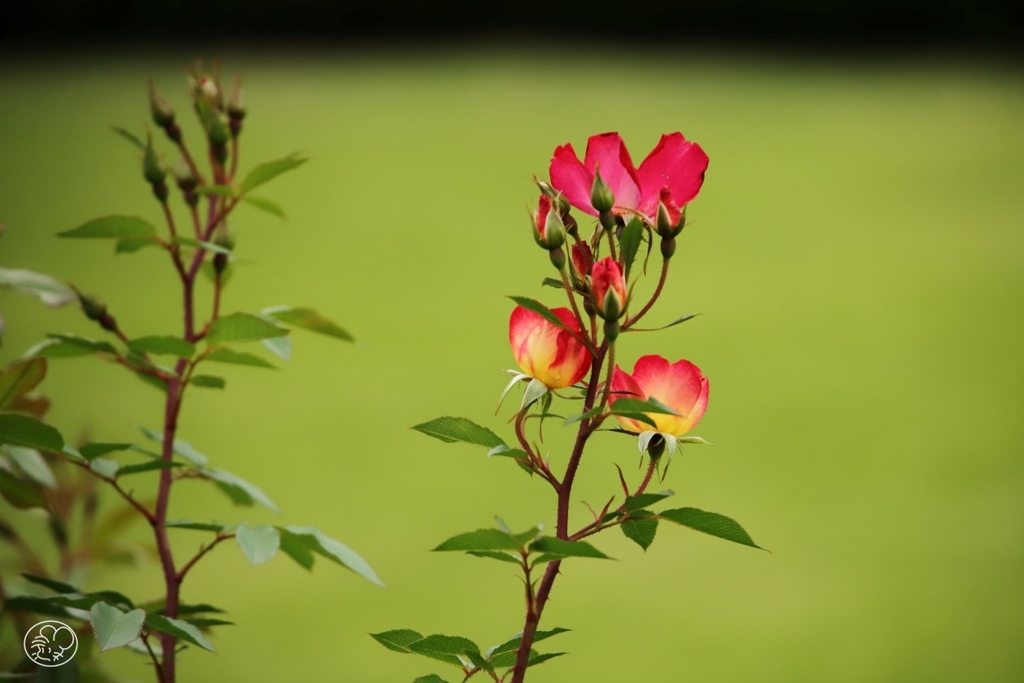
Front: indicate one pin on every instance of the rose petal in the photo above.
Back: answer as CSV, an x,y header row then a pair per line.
x,y
571,178
607,154
674,163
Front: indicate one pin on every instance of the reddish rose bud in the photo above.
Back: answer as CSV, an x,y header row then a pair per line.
x,y
679,385
609,288
670,218
545,351
582,260
548,230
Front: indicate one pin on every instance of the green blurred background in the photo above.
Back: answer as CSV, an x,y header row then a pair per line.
x,y
857,252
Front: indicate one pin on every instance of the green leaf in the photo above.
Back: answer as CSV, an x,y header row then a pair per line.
x,y
84,345
22,430
453,429
557,547
21,493
48,290
208,381
297,547
129,136
334,550
146,467
207,623
241,327
633,405
265,205
91,451
238,489
173,346
494,555
28,603
20,378
552,282
504,451
32,464
632,236
208,246
259,543
217,190
104,467
681,319
117,227
710,523
646,500
481,539
513,644
130,245
538,307
268,171
280,347
181,630
181,447
581,416
55,586
225,355
478,660
114,628
641,531
430,678
540,659
307,319
443,648
398,639
197,526
201,608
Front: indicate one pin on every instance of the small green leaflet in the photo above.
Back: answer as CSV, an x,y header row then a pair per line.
x,y
710,523
226,355
556,547
307,319
632,236
238,489
268,171
22,430
31,464
397,640
259,543
640,531
179,629
116,227
241,327
208,381
320,543
173,346
197,244
265,205
19,379
114,628
452,429
538,307
448,649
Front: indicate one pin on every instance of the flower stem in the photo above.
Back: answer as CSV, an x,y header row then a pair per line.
x,y
654,297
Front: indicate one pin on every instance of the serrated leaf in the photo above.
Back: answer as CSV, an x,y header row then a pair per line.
x,y
268,171
181,630
28,603
556,546
116,227
22,430
398,639
513,644
238,489
173,346
481,539
710,523
307,319
259,543
208,381
125,470
197,526
90,451
640,531
114,628
632,236
646,500
31,463
48,290
633,405
265,205
55,586
20,378
453,429
335,551
444,648
539,659
21,493
241,327
225,355
538,307
494,555
477,660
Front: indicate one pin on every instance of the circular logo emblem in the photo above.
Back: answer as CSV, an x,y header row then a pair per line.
x,y
51,643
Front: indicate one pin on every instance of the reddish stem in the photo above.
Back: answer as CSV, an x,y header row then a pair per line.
x,y
654,297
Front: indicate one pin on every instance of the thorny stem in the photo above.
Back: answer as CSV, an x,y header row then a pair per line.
x,y
538,464
143,510
598,525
